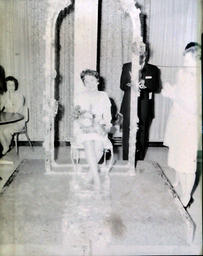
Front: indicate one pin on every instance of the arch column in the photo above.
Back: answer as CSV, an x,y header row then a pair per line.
x,y
137,45
85,56
49,103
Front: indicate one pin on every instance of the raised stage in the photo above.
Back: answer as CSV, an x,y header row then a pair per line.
x,y
49,215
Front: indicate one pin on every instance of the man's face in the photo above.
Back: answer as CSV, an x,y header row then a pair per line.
x,y
142,58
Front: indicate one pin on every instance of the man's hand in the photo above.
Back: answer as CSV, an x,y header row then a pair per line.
x,y
142,84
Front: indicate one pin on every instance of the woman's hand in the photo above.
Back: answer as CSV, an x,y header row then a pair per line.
x,y
101,129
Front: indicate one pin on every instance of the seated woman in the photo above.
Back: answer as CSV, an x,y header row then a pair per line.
x,y
92,121
13,102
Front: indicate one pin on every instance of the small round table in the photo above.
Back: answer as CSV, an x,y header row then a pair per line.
x,y
8,118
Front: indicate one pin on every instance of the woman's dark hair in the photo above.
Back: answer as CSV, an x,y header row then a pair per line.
x,y
13,79
89,72
194,48
192,44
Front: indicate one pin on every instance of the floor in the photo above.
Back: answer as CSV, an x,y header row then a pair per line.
x,y
158,154
195,210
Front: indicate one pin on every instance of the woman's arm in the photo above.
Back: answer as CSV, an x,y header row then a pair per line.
x,y
168,91
19,103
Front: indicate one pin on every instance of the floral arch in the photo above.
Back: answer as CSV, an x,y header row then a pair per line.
x,y
50,103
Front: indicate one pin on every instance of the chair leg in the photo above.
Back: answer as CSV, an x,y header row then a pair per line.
x,y
75,158
16,142
28,140
105,161
107,166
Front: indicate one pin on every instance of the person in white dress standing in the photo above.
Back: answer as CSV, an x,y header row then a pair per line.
x,y
92,123
182,131
13,102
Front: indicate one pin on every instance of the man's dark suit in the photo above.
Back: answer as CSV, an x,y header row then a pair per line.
x,y
151,75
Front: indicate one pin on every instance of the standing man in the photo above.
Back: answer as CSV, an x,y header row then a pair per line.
x,y
149,83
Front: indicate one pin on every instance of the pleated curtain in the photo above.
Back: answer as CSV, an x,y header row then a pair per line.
x,y
171,24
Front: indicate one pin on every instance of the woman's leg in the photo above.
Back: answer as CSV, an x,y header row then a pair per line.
x,y
6,134
5,140
99,149
92,157
2,141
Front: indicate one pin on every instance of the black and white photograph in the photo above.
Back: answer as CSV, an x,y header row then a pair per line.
x,y
100,127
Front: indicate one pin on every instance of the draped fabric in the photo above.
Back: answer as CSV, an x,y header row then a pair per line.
x,y
171,24
22,54
112,50
67,72
116,37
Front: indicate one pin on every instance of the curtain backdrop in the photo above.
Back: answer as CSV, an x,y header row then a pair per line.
x,y
116,37
112,51
67,73
22,54
171,24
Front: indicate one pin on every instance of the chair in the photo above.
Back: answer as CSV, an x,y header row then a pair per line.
x,y
23,130
77,153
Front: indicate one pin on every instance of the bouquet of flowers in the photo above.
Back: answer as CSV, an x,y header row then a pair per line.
x,y
87,121
83,117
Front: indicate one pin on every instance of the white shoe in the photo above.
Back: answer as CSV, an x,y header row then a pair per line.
x,y
185,200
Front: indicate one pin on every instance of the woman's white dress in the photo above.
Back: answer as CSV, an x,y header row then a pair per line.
x,y
182,128
98,104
